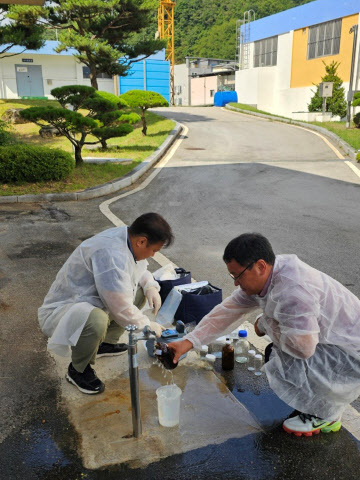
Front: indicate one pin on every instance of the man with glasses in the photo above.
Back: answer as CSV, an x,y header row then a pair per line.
x,y
313,362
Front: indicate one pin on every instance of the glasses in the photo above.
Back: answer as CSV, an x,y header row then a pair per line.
x,y
235,278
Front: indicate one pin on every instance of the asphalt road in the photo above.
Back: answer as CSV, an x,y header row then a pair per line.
x,y
232,174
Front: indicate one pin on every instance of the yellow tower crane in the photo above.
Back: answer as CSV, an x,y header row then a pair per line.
x,y
166,31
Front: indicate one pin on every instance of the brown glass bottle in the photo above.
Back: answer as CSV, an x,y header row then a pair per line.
x,y
165,355
227,359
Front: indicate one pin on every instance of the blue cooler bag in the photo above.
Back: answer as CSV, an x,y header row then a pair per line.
x,y
166,286
198,303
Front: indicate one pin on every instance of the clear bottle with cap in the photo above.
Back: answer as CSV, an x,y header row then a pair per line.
x,y
258,364
228,357
251,354
242,347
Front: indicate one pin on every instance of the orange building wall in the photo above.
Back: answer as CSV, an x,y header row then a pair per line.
x,y
304,72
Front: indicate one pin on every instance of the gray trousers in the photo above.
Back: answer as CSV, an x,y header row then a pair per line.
x,y
98,328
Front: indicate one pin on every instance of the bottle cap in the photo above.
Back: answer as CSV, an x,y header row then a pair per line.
x,y
204,348
251,352
210,357
258,355
242,333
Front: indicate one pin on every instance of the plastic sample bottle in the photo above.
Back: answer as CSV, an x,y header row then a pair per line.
x,y
251,354
228,357
204,351
165,355
258,364
242,347
210,361
216,348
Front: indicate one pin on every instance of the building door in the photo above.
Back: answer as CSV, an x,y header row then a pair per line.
x,y
29,80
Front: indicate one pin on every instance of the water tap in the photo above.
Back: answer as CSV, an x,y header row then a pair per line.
x,y
146,334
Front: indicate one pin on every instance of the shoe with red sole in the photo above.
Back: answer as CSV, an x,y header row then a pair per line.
x,y
308,425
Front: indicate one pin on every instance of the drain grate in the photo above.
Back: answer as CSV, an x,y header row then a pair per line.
x,y
194,148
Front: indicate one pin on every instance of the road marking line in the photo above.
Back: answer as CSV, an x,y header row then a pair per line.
x,y
104,206
328,143
353,168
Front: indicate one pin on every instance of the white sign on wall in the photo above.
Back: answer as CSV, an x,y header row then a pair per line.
x,y
22,69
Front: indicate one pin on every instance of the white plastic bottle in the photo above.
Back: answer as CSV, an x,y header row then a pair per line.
x,y
251,354
258,364
210,359
242,347
204,351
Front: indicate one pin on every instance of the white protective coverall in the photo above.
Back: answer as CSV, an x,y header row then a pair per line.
x,y
101,273
314,323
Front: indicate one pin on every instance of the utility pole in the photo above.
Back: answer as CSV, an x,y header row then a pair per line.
x,y
354,30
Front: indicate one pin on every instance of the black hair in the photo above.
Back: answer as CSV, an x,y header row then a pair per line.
x,y
154,227
248,248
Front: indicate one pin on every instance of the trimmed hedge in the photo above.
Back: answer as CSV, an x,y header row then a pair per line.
x,y
28,163
356,120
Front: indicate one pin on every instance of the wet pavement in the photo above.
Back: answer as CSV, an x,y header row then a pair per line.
x,y
313,215
46,451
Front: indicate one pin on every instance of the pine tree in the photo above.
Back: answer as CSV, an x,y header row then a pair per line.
x,y
335,104
103,33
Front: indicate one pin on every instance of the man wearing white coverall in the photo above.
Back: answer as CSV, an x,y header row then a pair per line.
x,y
312,320
97,293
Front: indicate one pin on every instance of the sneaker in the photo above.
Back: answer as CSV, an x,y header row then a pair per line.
x,y
307,425
109,350
86,382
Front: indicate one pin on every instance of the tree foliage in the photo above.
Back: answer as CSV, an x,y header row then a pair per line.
x,y
142,100
356,103
103,33
20,26
335,104
104,116
208,27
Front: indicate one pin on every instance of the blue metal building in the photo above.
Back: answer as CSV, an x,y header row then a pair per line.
x,y
152,73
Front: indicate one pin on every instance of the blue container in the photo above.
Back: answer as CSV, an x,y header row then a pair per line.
x,y
222,98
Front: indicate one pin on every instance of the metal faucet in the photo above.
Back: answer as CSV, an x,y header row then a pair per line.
x,y
134,374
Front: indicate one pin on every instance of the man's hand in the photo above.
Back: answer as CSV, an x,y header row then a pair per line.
x,y
156,328
179,348
154,299
258,332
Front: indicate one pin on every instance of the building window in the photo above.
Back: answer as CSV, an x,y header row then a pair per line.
x,y
212,93
178,89
265,53
86,73
324,39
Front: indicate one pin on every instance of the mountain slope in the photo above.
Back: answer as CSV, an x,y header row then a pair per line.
x,y
206,28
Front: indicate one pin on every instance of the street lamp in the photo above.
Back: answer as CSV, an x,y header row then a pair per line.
x,y
354,30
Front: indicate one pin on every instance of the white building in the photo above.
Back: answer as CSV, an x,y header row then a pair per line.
x,y
197,80
286,53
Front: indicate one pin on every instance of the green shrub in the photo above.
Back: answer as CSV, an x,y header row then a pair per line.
x,y
6,138
26,163
356,120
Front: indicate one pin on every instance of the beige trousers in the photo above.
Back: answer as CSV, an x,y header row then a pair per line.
x,y
98,328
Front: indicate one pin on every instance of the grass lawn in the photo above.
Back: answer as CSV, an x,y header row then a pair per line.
x,y
133,147
243,106
350,135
